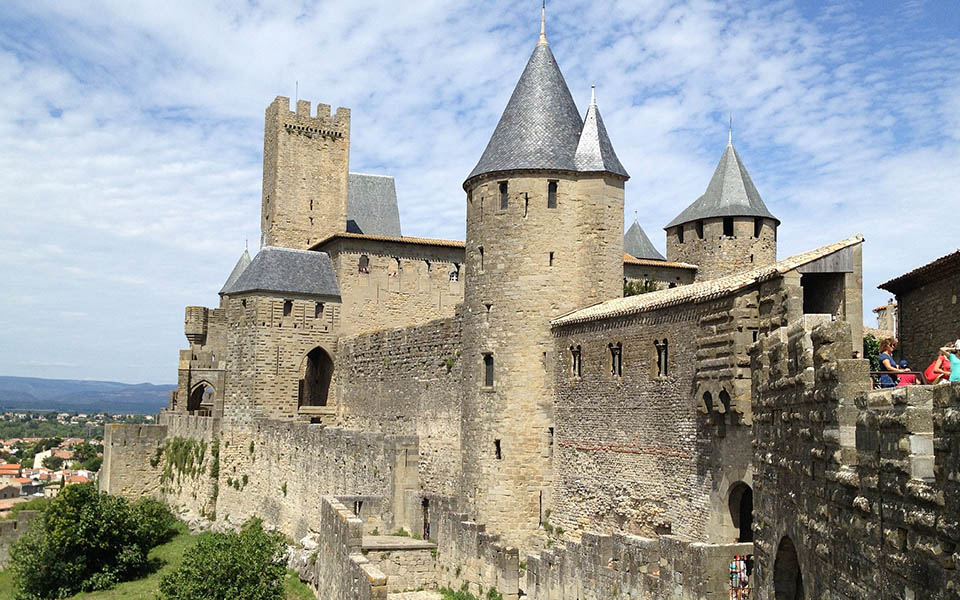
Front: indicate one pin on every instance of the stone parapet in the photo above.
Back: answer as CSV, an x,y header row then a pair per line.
x,y
341,571
627,566
11,530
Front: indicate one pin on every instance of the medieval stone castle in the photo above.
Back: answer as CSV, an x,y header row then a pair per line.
x,y
536,430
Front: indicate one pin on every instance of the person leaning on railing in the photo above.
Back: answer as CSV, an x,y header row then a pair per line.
x,y
888,368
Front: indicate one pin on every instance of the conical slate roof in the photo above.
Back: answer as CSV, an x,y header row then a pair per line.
x,y
238,270
594,151
730,194
638,245
540,127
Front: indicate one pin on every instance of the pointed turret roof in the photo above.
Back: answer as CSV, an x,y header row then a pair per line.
x,y
731,193
237,271
638,245
594,150
540,127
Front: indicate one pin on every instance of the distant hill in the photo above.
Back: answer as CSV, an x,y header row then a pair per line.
x,y
70,395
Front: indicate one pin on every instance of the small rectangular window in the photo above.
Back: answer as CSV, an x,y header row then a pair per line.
x,y
497,450
318,310
552,194
680,234
662,358
575,362
287,307
700,230
757,226
616,359
551,259
480,249
503,195
488,370
728,226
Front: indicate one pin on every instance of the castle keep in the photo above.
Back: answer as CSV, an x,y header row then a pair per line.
x,y
539,427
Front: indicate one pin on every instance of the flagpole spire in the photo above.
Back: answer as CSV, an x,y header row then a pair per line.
x,y
543,23
730,131
593,95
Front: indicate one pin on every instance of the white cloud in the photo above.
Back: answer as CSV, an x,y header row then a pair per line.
x,y
133,133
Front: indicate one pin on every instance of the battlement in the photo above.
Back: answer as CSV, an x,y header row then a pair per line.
x,y
872,476
300,121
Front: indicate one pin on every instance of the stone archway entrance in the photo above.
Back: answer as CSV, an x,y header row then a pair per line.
x,y
201,399
787,579
316,373
741,510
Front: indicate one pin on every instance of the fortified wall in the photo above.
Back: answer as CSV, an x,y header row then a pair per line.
x,y
406,382
857,492
10,531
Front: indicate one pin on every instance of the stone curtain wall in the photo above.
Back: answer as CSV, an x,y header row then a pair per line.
x,y
10,531
342,571
467,554
929,318
127,453
407,382
625,447
863,484
279,471
604,567
402,285
187,464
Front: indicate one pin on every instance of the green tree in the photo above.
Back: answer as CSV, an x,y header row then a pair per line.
x,y
85,541
93,464
54,463
84,451
871,351
635,287
248,564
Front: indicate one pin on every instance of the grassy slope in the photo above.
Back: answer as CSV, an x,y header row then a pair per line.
x,y
169,555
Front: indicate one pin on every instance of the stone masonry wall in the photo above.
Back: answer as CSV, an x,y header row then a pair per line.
x,y
625,449
929,317
11,530
278,471
716,254
603,567
406,570
386,285
856,492
127,453
406,382
188,464
342,571
305,163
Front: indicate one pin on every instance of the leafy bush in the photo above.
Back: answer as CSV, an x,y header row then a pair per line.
x,y
249,565
86,541
154,521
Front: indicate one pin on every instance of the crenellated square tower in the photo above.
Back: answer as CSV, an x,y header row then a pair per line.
x,y
305,164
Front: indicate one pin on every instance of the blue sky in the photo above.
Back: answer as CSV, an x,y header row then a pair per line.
x,y
133,135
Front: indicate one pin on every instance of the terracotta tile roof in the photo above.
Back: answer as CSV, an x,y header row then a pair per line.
x,y
22,480
77,479
385,238
929,272
647,262
699,292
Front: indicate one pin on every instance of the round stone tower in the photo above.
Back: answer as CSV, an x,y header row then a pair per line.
x,y
728,229
544,237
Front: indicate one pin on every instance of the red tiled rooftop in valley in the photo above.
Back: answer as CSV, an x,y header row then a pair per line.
x,y
22,480
77,479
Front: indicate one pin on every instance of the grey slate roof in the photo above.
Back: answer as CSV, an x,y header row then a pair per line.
x,y
284,270
638,245
540,127
731,193
372,205
594,151
238,269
